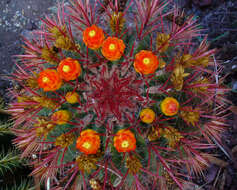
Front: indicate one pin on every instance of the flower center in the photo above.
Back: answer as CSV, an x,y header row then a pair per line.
x,y
146,61
86,145
66,68
92,33
172,107
111,47
45,79
125,144
147,116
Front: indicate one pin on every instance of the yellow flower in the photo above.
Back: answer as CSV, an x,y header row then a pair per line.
x,y
147,115
64,140
177,77
69,69
191,116
64,42
45,102
57,32
162,63
155,133
200,85
93,37
162,41
169,180
49,80
32,82
117,22
202,61
169,106
88,142
43,127
172,135
41,101
48,54
145,62
186,60
133,164
86,163
124,141
95,184
72,97
61,117
113,48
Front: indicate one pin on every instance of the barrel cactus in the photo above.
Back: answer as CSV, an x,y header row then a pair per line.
x,y
122,94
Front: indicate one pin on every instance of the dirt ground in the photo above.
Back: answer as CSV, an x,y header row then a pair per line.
x,y
17,17
218,17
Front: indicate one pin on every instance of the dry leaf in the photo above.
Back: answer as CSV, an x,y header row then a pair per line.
x,y
212,173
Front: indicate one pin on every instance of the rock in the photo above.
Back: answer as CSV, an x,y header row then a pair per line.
x,y
27,34
212,171
234,86
202,3
228,179
234,67
31,26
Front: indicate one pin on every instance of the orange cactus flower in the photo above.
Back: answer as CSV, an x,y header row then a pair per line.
x,y
147,115
93,37
72,97
124,141
61,117
49,80
88,142
69,69
169,106
145,62
113,48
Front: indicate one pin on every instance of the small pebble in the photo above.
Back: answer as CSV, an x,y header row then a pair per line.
x,y
234,86
234,67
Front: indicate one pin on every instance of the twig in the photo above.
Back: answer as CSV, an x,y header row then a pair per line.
x,y
214,105
221,147
217,177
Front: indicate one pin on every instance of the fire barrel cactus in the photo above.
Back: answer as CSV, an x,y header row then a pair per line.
x,y
122,94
